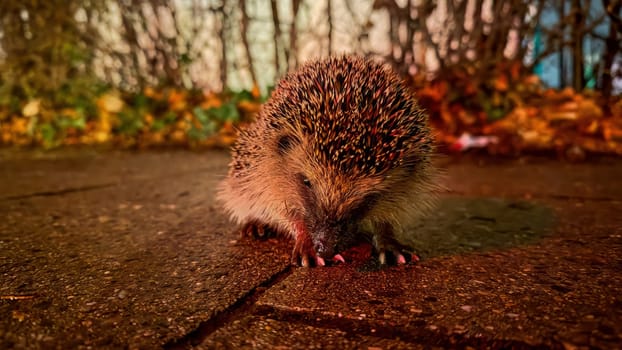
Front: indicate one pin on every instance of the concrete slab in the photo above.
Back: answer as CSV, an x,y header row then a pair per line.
x,y
534,177
37,173
558,290
136,265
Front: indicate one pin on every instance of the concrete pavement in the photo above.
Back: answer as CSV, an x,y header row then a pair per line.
x,y
128,250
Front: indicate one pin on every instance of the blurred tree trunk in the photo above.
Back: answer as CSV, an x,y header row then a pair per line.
x,y
578,31
244,35
131,37
157,49
222,20
402,27
293,36
277,37
329,14
560,46
612,44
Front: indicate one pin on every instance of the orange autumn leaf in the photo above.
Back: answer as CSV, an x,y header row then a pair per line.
x,y
227,140
592,128
515,68
567,93
502,83
211,101
616,109
152,93
532,111
177,100
249,106
588,109
255,91
549,94
20,125
532,80
228,127
612,130
435,91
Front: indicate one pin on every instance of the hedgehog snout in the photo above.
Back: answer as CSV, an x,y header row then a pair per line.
x,y
325,240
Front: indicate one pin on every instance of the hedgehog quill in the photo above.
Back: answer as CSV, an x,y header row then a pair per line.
x,y
340,154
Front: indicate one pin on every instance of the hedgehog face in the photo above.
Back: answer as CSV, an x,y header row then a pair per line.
x,y
330,202
333,209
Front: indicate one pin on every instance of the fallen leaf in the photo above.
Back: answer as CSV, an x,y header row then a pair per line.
x,y
32,108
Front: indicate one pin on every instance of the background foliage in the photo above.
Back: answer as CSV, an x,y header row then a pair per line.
x,y
138,73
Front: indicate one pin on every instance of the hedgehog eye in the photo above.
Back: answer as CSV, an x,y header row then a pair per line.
x,y
306,181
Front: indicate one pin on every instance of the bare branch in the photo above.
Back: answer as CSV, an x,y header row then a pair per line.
x,y
277,35
244,34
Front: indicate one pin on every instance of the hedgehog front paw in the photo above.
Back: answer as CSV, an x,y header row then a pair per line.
x,y
304,254
257,230
390,256
393,253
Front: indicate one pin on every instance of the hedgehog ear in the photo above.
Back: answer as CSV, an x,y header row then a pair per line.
x,y
285,143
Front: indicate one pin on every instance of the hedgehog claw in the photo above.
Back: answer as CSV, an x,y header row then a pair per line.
x,y
305,261
256,230
400,259
339,259
303,253
382,257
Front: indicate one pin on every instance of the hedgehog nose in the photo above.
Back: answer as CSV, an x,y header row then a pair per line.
x,y
323,249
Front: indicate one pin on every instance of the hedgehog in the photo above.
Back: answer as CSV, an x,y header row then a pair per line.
x,y
340,154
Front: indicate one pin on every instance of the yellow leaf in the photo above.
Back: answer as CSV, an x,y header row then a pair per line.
x,y
101,136
110,103
32,108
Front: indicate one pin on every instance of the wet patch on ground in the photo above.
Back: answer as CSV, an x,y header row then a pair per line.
x,y
467,224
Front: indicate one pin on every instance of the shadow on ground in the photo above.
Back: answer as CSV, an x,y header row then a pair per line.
x,y
466,224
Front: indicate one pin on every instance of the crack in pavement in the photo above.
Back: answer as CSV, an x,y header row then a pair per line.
x,y
542,196
59,192
245,305
85,188
417,332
